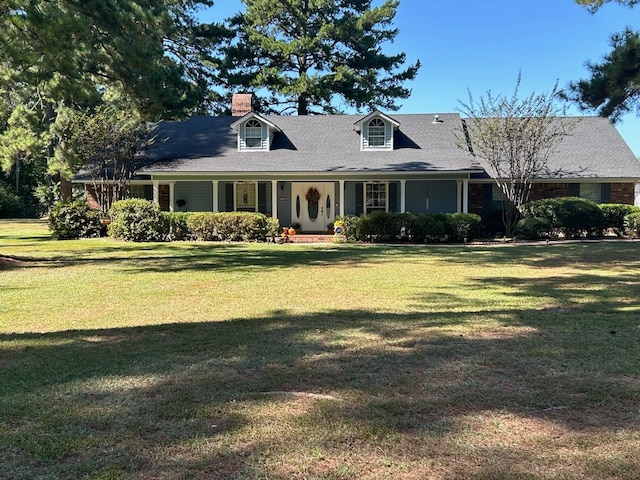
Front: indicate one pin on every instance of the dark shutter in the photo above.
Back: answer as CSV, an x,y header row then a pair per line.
x,y
262,197
228,197
575,189
393,197
605,193
359,196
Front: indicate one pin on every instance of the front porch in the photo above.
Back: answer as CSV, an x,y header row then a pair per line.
x,y
289,200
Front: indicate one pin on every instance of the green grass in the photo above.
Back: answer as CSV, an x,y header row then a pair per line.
x,y
197,360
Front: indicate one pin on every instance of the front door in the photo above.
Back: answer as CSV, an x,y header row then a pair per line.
x,y
312,205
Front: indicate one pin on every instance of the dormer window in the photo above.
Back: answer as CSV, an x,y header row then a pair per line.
x,y
253,134
376,133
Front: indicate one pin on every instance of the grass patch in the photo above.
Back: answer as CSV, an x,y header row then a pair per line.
x,y
196,360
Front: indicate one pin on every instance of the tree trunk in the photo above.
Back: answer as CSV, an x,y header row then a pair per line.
x,y
303,105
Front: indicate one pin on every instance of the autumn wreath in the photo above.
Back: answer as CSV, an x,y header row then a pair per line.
x,y
313,195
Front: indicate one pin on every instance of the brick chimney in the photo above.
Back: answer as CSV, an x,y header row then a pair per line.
x,y
241,104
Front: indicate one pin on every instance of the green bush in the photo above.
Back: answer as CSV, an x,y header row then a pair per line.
x,y
417,227
177,224
632,224
425,228
382,226
11,206
228,226
74,219
272,227
533,228
461,227
345,228
571,216
138,220
614,214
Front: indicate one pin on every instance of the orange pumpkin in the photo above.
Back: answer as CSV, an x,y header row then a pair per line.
x,y
292,231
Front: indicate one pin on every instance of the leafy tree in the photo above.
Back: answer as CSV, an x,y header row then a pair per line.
x,y
107,146
307,53
514,138
58,55
612,89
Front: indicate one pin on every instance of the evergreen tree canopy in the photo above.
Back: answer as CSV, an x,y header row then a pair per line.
x,y
308,53
614,86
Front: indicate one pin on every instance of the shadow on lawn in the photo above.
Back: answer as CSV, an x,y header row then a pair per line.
x,y
144,397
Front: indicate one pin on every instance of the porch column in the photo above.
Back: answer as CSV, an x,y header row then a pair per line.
x,y
156,192
214,207
459,196
403,196
637,195
341,187
465,195
172,196
274,198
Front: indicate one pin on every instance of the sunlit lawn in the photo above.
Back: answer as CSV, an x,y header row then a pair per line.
x,y
247,361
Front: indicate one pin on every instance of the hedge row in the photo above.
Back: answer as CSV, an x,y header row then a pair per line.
x,y
142,221
139,220
408,227
574,217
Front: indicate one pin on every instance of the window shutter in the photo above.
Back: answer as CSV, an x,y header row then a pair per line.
x,y
262,197
605,193
359,199
575,189
393,197
228,197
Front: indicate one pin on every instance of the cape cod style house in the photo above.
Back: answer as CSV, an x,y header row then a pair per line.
x,y
310,169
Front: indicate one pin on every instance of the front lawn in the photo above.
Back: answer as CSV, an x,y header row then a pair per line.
x,y
260,361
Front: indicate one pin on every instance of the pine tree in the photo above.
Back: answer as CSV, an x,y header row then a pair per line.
x,y
308,54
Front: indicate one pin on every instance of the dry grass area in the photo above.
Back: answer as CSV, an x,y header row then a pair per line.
x,y
204,361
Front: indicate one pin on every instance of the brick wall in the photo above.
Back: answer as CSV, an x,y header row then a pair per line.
x,y
623,193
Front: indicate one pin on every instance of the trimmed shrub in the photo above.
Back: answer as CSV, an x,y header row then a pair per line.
x,y
382,226
614,214
345,228
177,224
533,228
228,226
74,219
632,224
461,227
138,220
425,228
272,227
571,216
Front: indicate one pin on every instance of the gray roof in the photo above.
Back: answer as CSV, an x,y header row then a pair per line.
x,y
309,144
328,143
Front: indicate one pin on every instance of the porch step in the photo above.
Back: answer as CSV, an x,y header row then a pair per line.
x,y
311,238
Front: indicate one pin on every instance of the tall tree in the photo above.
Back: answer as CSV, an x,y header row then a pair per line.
x,y
308,53
614,86
58,54
514,138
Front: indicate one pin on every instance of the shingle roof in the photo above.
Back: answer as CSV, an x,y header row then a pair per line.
x,y
593,150
309,144
328,143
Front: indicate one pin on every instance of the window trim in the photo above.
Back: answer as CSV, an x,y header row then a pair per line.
x,y
255,126
380,137
365,207
235,195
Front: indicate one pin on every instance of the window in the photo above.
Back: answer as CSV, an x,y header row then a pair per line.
x,y
376,133
591,191
375,197
253,134
246,197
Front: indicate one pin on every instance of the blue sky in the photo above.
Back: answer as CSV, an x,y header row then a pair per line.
x,y
472,45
